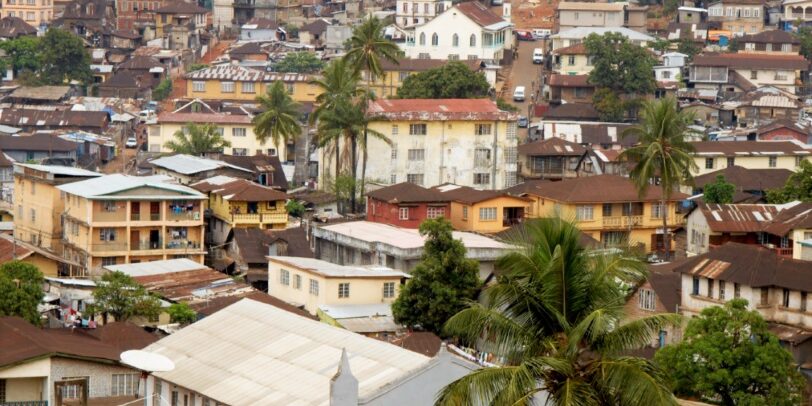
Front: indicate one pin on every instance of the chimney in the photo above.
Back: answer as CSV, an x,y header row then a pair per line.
x,y
343,386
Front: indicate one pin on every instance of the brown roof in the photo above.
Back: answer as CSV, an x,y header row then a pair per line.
x,y
180,286
140,63
577,49
747,179
600,189
36,142
123,335
315,197
13,27
407,192
752,61
594,134
527,187
479,13
249,48
738,218
253,243
200,118
421,342
5,162
8,250
127,79
572,111
666,284
58,118
791,125
317,27
552,147
422,65
181,7
750,265
793,218
748,148
214,305
240,190
469,195
260,163
438,109
263,23
771,37
570,80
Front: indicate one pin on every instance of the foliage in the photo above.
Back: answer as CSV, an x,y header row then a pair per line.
x,y
661,44
805,37
64,58
670,7
23,53
506,106
295,208
453,80
688,47
300,62
163,90
619,64
20,290
181,313
798,186
338,84
368,47
279,120
720,191
120,296
555,316
197,139
292,30
197,66
608,104
729,354
441,284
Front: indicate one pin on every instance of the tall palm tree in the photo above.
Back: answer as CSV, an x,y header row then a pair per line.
x,y
555,318
368,47
339,82
197,139
280,119
662,152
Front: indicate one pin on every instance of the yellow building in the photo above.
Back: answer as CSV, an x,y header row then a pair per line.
x,y
33,12
311,283
572,60
119,219
387,85
711,156
180,12
233,82
607,208
483,211
240,203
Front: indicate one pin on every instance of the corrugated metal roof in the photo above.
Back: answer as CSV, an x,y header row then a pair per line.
x,y
60,170
254,353
351,311
108,188
188,164
333,270
240,74
406,238
156,267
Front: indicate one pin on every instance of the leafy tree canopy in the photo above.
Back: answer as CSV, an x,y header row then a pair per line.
x,y
805,36
688,47
120,296
608,104
163,90
197,139
798,186
20,290
181,313
300,62
295,208
451,81
720,191
54,59
729,354
619,64
441,284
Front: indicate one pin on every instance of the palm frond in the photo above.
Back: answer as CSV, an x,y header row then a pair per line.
x,y
635,334
633,381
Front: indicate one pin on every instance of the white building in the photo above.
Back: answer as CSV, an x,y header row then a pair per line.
x,y
671,68
417,12
465,31
223,14
577,35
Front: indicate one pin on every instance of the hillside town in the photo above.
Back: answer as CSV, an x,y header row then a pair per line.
x,y
405,202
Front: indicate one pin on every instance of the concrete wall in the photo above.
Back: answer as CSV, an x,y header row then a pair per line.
x,y
580,65
698,233
569,19
160,133
634,311
464,28
212,90
749,162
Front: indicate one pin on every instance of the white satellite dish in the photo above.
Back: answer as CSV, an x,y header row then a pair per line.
x,y
147,361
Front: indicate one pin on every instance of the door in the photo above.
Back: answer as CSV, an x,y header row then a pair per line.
x,y
155,211
135,239
135,211
154,239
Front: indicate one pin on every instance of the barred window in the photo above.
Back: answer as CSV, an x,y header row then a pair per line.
x,y
284,277
646,299
482,129
388,290
343,290
435,212
124,384
417,129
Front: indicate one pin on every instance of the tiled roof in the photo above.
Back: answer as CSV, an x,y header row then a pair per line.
x,y
202,118
469,195
747,179
239,189
9,251
140,63
771,37
407,192
749,148
479,13
13,27
527,187
238,73
600,189
438,109
559,80
752,61
738,218
552,147
784,123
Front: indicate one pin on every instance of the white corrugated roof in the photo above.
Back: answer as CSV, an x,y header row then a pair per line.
x,y
361,310
157,267
61,170
583,32
406,238
329,269
188,164
110,187
251,353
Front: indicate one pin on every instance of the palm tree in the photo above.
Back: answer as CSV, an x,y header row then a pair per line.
x,y
662,152
280,119
555,318
368,47
197,139
338,83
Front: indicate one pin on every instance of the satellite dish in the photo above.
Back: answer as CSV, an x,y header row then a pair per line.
x,y
147,361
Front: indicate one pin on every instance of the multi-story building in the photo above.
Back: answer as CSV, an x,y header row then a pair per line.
x,y
467,142
232,82
572,60
33,12
713,155
394,75
796,10
710,226
277,10
747,71
467,30
553,158
609,208
240,203
180,13
790,233
583,14
416,12
670,70
117,219
738,16
223,15
137,14
658,294
770,42
577,35
405,205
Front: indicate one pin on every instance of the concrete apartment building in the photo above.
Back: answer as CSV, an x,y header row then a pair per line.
x,y
416,12
33,12
710,156
738,16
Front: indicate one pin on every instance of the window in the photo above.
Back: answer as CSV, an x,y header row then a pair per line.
x,y
426,8
465,212
417,129
708,163
297,282
722,290
737,291
571,60
239,151
422,38
248,87
403,213
388,290
284,277
417,154
33,215
710,287
198,86
314,287
2,390
343,290
786,47
657,211
227,87
773,161
435,39
455,39
695,286
393,179
416,178
453,57
482,178
108,261
30,16
482,157
394,153
765,296
584,212
666,74
487,213
74,391
731,161
482,129
646,299
107,234
435,212
798,160
124,384
290,87
607,210
753,74
238,132
394,129
472,40
405,7
785,297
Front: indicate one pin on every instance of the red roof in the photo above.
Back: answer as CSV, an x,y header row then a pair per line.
x,y
577,49
480,14
203,118
570,80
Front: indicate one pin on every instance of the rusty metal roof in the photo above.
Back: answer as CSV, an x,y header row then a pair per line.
x,y
738,218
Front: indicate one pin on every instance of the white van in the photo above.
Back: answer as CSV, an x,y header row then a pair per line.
x,y
541,33
538,56
518,94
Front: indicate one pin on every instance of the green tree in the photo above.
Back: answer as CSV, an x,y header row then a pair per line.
x,y
292,30
501,104
619,64
720,191
453,80
197,66
197,139
181,313
442,283
688,47
662,151
20,291
729,355
300,62
279,120
295,208
163,90
23,54
661,44
555,317
608,104
670,7
805,37
797,187
64,58
119,295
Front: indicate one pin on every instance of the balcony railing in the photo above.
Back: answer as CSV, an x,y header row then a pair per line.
x,y
118,215
145,216
622,221
109,246
182,244
184,215
146,245
258,218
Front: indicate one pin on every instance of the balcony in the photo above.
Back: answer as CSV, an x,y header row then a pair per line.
x,y
183,245
622,221
110,246
145,217
183,216
110,216
146,245
259,218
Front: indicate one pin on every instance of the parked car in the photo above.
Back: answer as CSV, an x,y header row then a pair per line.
x,y
496,2
541,33
522,122
132,142
538,56
518,93
524,35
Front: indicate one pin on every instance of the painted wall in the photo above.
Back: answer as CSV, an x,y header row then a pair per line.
x,y
464,28
212,90
573,65
569,19
707,164
634,311
272,214
698,233
38,207
34,12
161,133
384,212
467,217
